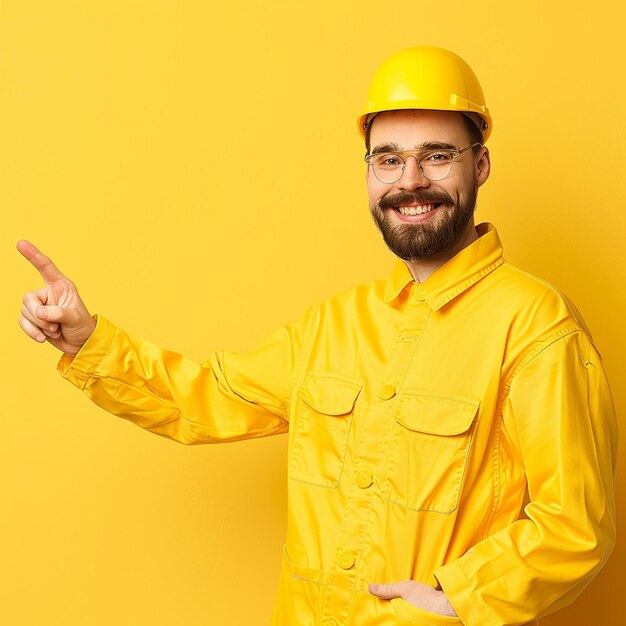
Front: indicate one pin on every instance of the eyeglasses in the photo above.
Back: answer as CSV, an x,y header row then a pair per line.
x,y
388,167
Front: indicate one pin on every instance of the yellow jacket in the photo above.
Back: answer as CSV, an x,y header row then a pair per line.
x,y
458,432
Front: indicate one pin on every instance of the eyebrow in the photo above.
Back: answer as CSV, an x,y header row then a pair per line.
x,y
392,146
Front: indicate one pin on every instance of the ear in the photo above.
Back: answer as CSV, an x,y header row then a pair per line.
x,y
483,165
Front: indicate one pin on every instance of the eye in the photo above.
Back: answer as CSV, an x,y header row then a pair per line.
x,y
388,161
438,157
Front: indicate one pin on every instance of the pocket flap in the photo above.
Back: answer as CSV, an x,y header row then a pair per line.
x,y
300,571
436,415
331,394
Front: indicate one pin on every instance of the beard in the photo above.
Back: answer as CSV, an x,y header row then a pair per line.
x,y
424,240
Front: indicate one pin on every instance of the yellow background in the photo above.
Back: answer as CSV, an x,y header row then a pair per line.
x,y
196,170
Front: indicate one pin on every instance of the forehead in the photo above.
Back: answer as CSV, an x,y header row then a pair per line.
x,y
412,128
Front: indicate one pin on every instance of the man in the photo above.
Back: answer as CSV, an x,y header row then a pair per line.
x,y
451,432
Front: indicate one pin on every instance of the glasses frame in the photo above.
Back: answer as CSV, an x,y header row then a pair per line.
x,y
404,154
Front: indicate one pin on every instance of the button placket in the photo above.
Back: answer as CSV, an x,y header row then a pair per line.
x,y
375,433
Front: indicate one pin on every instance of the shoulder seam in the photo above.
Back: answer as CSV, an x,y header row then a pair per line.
x,y
573,312
301,360
534,351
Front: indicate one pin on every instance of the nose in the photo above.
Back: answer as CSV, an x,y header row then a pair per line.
x,y
412,177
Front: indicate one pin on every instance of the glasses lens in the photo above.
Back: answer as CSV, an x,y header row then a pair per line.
x,y
437,165
387,167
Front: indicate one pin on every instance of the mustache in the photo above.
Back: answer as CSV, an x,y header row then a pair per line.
x,y
417,197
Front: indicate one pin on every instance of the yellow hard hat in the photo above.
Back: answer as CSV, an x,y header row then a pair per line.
x,y
426,78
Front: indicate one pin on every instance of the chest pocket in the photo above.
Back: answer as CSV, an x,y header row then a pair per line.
x,y
322,428
429,453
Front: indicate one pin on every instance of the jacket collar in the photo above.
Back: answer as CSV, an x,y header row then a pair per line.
x,y
455,276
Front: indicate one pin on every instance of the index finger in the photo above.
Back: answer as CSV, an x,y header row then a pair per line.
x,y
48,270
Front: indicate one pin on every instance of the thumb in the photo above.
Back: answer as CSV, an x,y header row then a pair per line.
x,y
386,591
66,316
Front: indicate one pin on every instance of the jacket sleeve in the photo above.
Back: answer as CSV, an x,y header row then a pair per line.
x,y
560,417
228,397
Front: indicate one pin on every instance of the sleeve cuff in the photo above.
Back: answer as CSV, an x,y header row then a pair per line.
x,y
458,589
79,368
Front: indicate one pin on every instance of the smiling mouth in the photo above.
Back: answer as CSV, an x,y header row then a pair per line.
x,y
419,209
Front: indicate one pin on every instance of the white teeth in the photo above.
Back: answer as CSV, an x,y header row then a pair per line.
x,y
416,210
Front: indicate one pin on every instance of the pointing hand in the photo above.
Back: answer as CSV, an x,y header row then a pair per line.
x,y
54,313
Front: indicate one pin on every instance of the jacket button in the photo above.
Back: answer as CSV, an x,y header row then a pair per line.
x,y
387,392
364,479
346,560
